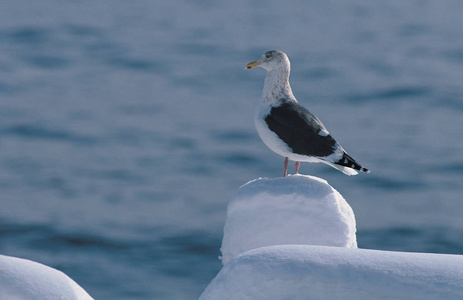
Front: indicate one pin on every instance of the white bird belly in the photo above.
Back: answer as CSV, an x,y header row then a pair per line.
x,y
273,141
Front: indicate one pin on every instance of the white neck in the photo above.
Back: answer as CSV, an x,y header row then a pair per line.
x,y
276,87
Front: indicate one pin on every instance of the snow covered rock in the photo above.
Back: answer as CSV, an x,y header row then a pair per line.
x,y
294,238
297,209
22,279
320,272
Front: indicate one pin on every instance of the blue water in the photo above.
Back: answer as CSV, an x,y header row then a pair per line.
x,y
125,128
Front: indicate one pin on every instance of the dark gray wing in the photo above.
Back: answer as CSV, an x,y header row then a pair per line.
x,y
300,129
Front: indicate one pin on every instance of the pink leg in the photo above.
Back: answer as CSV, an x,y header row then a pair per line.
x,y
297,166
286,166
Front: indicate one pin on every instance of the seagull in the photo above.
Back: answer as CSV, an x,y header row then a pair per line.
x,y
288,128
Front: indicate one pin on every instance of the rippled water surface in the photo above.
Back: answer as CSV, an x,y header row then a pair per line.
x,y
125,128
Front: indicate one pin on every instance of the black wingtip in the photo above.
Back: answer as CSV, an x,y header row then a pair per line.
x,y
348,161
365,170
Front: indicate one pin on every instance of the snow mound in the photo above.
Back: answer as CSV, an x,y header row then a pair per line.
x,y
320,272
22,279
299,209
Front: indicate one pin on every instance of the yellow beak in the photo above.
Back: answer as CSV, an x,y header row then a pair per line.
x,y
253,64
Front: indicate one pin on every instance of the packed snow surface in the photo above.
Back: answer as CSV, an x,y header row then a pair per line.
x,y
22,279
322,272
299,209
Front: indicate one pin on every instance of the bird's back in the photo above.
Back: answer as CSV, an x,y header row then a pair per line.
x,y
301,130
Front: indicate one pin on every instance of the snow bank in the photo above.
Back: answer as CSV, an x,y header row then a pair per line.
x,y
278,244
296,209
320,272
22,279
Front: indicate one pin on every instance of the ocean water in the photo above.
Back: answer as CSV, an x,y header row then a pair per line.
x,y
125,128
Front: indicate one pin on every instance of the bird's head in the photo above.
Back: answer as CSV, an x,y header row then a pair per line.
x,y
271,60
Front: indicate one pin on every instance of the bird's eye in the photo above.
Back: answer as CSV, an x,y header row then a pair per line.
x,y
268,55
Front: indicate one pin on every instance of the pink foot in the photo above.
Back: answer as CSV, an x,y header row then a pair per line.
x,y
286,166
297,166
